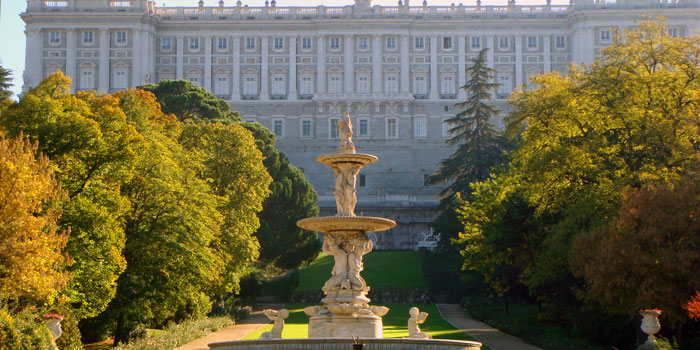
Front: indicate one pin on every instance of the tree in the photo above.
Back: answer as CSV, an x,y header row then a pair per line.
x,y
32,266
5,84
480,146
292,198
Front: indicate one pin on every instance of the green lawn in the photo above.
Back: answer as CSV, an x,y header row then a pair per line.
x,y
383,269
395,323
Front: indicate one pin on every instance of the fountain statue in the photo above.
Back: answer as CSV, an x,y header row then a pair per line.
x,y
346,311
276,316
417,318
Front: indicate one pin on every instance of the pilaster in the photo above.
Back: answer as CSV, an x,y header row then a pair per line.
x,y
264,60
547,48
103,86
207,63
70,58
137,55
349,65
377,64
405,64
489,54
461,70
292,68
433,68
321,64
180,52
518,60
236,69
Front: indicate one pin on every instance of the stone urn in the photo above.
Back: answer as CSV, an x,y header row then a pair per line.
x,y
650,326
53,323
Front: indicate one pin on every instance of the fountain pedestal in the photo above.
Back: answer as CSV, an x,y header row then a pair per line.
x,y
346,312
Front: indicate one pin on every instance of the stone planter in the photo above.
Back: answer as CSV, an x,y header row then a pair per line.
x,y
650,326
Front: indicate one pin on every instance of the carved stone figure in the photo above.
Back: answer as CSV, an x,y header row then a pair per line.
x,y
345,192
339,278
278,318
345,131
417,318
357,247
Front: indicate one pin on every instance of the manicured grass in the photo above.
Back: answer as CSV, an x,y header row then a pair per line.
x,y
395,323
383,269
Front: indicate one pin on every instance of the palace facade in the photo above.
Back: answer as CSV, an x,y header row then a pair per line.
x,y
295,70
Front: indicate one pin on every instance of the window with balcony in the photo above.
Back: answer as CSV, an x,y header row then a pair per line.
x,y
306,128
250,44
54,37
363,127
420,127
419,85
505,85
531,42
672,32
306,44
363,43
88,37
87,79
391,43
278,44
448,85
278,127
195,79
278,87
363,83
194,44
447,43
335,85
121,37
446,127
560,42
222,44
306,87
391,83
475,42
221,86
605,35
503,42
419,43
250,87
335,43
333,128
166,44
120,80
392,128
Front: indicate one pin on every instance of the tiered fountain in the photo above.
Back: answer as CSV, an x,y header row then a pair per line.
x,y
346,311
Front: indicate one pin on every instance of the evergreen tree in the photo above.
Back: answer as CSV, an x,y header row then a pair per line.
x,y
5,84
480,147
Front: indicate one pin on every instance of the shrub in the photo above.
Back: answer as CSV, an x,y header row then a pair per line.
x,y
33,333
9,336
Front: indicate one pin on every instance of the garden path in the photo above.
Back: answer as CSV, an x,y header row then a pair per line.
x,y
489,336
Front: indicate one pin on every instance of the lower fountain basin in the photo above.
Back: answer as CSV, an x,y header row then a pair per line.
x,y
333,344
346,223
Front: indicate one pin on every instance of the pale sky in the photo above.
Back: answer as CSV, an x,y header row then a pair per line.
x,y
12,38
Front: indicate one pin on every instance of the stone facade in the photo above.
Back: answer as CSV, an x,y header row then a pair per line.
x,y
295,70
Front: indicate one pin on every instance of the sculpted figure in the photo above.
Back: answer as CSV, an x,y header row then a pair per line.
x,y
345,131
417,318
339,279
359,246
345,192
278,317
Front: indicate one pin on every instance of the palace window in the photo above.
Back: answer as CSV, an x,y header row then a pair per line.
x,y
475,42
121,37
166,44
87,79
560,42
503,42
306,128
278,44
419,43
446,126
221,85
307,85
120,79
334,85
531,42
392,127
195,79
194,44
448,84
363,83
447,43
391,84
505,85
333,128
363,127
54,37
420,127
391,43
278,127
363,43
306,44
672,32
335,43
88,37
278,86
419,85
222,44
250,85
250,44
605,35
362,180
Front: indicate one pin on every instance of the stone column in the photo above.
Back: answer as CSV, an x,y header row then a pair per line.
x,y
588,45
547,48
148,45
103,86
461,71
236,69
489,55
405,65
292,95
180,50
70,58
377,64
349,65
518,59
33,61
264,59
433,68
207,63
321,64
137,56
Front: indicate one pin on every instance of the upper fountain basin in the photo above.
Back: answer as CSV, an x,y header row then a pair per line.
x,y
360,158
346,223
